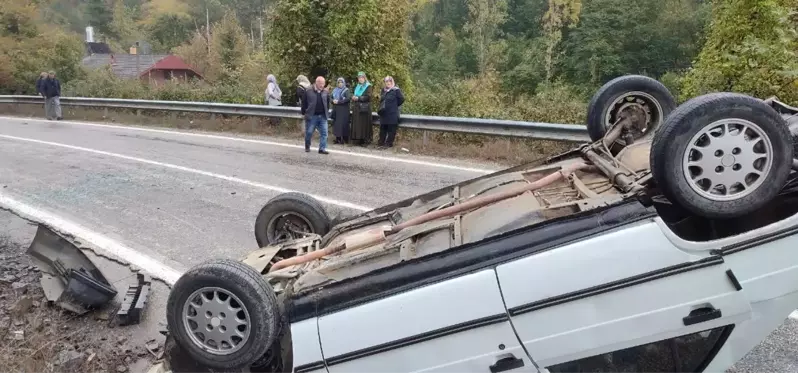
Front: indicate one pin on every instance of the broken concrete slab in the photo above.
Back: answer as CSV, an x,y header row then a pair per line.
x,y
69,278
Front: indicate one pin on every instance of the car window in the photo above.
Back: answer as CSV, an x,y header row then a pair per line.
x,y
687,353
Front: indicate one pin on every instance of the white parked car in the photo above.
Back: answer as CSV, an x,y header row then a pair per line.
x,y
668,244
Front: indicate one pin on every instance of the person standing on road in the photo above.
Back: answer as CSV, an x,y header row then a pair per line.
x,y
40,90
274,96
315,109
362,128
52,93
390,101
340,99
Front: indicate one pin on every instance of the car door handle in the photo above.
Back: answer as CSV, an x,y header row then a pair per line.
x,y
507,363
702,314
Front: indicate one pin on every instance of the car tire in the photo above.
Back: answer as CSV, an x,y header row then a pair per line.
x,y
610,98
244,293
696,149
300,208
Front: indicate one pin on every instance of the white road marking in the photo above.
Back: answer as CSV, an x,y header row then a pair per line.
x,y
264,142
794,315
104,244
191,170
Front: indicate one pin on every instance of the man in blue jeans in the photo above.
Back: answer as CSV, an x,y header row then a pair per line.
x,y
314,109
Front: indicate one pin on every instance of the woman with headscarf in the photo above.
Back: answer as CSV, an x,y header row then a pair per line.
x,y
302,85
362,128
390,101
274,95
340,100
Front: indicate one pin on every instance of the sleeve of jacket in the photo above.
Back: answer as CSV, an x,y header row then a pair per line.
x,y
400,97
57,87
345,98
301,95
366,97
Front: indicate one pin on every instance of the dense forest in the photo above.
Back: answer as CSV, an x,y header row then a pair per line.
x,y
520,59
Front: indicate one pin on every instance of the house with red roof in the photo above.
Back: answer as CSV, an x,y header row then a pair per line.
x,y
150,68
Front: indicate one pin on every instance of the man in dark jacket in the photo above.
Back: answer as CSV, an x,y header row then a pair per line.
x,y
40,90
314,109
52,93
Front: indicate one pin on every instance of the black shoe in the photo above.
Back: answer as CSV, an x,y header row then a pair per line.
x,y
307,150
59,118
323,152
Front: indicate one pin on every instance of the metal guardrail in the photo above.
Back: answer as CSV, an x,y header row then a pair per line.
x,y
490,127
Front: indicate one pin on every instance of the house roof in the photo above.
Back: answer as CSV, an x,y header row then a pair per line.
x,y
124,65
171,62
93,47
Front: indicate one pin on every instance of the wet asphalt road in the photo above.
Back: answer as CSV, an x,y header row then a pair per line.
x,y
183,218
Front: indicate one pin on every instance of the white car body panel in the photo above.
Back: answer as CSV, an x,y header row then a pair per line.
x,y
593,296
306,346
622,316
397,323
587,263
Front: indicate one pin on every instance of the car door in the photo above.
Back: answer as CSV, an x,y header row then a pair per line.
x,y
457,325
626,300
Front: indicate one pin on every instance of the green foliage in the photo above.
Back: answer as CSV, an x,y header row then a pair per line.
x,y
340,38
751,48
485,18
100,15
560,14
230,50
170,30
28,47
648,38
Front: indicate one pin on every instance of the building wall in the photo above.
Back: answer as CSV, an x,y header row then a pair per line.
x,y
158,77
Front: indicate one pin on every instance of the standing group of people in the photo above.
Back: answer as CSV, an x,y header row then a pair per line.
x,y
49,88
351,109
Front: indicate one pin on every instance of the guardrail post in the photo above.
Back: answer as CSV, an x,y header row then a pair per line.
x,y
173,115
105,112
425,140
138,112
213,116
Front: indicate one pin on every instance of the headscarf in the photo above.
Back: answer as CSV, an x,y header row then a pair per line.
x,y
385,89
361,87
338,91
277,91
303,81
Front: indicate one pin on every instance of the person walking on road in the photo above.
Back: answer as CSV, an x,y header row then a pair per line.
x,y
340,99
362,128
315,109
52,93
40,90
390,101
274,96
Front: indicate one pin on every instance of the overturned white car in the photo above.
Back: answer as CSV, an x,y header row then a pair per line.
x,y
666,245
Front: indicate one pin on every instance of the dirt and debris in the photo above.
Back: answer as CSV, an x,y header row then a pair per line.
x,y
38,336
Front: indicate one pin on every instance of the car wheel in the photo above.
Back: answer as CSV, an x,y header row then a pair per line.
x,y
623,93
289,215
223,314
722,155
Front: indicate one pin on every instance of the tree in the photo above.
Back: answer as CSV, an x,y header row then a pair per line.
x,y
340,38
483,27
560,14
229,48
170,30
751,48
100,15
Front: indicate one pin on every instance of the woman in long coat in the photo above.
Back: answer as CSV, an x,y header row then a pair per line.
x,y
340,101
390,101
362,128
